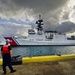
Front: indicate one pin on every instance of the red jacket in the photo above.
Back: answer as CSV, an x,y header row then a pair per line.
x,y
5,49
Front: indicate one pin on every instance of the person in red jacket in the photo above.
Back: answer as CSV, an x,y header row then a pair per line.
x,y
6,53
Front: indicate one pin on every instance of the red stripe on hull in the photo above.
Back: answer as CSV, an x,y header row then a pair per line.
x,y
13,43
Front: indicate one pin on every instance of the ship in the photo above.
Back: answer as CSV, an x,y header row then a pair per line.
x,y
42,37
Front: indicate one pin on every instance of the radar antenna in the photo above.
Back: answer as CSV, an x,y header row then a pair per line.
x,y
39,24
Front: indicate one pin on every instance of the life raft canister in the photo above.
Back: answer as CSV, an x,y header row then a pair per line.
x,y
5,50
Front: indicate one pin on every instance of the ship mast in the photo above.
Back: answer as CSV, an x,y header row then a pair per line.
x,y
39,25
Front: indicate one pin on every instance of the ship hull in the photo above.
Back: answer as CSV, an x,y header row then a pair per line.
x,y
28,42
22,41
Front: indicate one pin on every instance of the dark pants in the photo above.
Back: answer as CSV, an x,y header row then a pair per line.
x,y
7,62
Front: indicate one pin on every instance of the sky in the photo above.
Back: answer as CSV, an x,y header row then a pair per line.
x,y
17,16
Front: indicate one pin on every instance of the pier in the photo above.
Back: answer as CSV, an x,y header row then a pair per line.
x,y
44,65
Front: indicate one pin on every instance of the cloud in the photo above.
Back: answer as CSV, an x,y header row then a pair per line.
x,y
20,8
37,6
27,11
12,29
66,27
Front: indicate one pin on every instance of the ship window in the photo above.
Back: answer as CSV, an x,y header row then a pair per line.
x,y
31,31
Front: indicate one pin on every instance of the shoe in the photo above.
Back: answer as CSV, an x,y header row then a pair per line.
x,y
13,71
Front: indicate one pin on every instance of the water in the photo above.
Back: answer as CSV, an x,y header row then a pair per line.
x,y
28,51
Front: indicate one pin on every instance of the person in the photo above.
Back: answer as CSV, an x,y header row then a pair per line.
x,y
6,53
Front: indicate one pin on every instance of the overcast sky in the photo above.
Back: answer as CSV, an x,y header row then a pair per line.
x,y
16,16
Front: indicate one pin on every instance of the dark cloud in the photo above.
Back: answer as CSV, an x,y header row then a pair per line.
x,y
66,27
49,9
42,6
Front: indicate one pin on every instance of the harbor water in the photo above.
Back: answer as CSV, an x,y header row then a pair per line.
x,y
29,51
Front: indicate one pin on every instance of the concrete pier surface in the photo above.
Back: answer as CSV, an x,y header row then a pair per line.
x,y
63,67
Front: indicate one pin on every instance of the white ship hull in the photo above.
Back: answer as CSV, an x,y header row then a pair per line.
x,y
42,40
28,42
